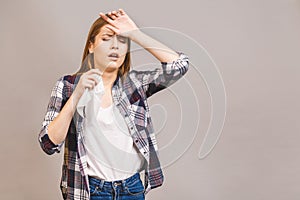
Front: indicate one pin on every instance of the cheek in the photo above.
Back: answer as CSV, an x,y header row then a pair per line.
x,y
123,52
99,55
101,47
123,49
100,51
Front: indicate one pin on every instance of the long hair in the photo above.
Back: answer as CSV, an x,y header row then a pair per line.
x,y
87,61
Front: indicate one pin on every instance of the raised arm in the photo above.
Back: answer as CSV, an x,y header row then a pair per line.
x,y
173,64
122,25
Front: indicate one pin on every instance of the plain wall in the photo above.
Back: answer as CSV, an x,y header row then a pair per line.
x,y
254,43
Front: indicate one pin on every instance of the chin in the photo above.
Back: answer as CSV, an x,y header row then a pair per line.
x,y
112,67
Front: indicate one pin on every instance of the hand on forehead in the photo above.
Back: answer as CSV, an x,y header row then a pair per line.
x,y
107,30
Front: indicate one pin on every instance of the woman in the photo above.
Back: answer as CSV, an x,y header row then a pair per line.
x,y
103,108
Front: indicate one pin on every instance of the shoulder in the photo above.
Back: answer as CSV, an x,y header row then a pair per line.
x,y
65,85
134,77
69,79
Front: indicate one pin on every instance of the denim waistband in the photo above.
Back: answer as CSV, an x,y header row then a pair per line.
x,y
103,183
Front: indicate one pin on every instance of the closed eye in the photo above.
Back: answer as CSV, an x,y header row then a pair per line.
x,y
122,39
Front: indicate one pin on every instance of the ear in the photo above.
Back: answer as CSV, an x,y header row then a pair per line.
x,y
91,48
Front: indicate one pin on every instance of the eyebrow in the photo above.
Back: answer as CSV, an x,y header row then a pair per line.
x,y
109,34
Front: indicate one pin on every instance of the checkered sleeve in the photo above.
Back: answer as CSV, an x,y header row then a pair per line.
x,y
161,78
53,109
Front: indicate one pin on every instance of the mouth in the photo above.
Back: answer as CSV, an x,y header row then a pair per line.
x,y
114,55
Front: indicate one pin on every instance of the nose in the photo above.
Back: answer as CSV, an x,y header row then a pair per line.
x,y
115,44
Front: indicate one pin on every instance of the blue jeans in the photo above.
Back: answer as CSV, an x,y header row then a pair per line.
x,y
131,188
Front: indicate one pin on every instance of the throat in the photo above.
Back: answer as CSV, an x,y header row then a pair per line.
x,y
109,78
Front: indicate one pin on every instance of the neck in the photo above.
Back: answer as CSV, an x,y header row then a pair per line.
x,y
109,78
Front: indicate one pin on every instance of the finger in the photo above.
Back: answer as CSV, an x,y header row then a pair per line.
x,y
118,13
94,79
100,14
112,14
90,79
114,17
89,84
107,18
114,29
115,14
122,11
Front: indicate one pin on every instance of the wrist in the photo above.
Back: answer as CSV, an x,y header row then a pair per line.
x,y
135,34
75,98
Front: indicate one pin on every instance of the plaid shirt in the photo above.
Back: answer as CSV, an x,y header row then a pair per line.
x,y
130,96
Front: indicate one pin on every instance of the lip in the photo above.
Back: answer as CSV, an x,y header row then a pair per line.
x,y
113,58
116,55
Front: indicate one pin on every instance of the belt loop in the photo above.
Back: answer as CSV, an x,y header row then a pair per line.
x,y
124,183
101,184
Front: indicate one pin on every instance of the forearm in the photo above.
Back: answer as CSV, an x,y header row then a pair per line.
x,y
58,128
157,49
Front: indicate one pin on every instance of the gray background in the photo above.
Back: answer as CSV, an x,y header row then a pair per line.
x,y
255,44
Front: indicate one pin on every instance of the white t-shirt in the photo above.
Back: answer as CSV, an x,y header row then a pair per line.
x,y
111,154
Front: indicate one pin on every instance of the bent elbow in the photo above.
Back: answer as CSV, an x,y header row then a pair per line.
x,y
184,64
47,145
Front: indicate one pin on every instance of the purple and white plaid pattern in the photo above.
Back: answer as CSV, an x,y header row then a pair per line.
x,y
130,95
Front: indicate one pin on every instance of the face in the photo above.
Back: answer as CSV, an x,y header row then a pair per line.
x,y
109,50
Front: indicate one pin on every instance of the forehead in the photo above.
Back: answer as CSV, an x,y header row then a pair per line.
x,y
105,30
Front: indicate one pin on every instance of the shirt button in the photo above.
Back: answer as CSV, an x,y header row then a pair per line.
x,y
136,141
